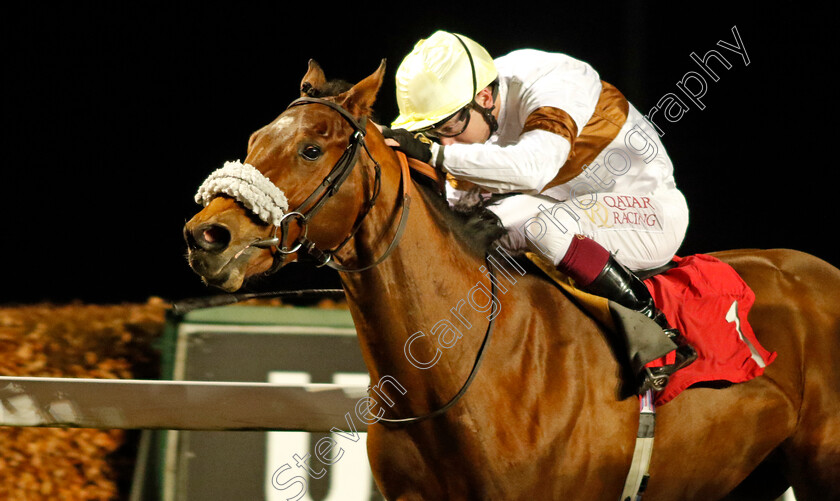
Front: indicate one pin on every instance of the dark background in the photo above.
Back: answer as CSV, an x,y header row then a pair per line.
x,y
114,114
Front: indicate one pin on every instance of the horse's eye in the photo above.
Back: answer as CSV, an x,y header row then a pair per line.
x,y
310,152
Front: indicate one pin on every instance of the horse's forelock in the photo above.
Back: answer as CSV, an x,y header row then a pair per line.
x,y
330,88
333,88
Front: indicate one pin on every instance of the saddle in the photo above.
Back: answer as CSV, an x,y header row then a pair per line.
x,y
706,300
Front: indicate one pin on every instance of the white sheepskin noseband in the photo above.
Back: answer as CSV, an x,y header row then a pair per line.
x,y
248,186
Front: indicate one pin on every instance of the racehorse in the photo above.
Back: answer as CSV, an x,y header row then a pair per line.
x,y
543,417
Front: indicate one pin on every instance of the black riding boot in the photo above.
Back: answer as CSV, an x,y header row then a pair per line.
x,y
622,286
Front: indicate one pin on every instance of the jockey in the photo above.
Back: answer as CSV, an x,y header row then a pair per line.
x,y
572,170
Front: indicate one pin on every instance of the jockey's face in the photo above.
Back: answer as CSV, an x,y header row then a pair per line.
x,y
477,130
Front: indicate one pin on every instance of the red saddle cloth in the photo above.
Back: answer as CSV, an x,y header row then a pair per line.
x,y
708,302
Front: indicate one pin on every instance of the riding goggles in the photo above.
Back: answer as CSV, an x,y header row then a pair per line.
x,y
451,126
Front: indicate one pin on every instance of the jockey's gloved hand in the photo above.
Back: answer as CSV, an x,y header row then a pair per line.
x,y
409,143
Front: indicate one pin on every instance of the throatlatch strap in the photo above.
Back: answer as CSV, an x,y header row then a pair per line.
x,y
637,477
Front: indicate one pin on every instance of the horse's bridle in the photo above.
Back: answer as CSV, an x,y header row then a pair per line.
x,y
315,201
328,187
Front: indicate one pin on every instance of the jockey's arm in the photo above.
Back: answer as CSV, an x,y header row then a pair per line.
x,y
525,166
554,99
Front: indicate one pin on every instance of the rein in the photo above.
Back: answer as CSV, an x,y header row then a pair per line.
x,y
478,358
187,305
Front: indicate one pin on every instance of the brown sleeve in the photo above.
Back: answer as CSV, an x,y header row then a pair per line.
x,y
552,120
603,126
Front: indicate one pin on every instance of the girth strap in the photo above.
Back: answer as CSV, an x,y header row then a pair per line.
x,y
637,477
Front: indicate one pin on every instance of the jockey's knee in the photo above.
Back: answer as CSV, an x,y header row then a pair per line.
x,y
550,232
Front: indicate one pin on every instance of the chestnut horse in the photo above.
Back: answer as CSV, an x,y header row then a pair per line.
x,y
543,418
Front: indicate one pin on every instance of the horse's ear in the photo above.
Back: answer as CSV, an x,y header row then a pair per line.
x,y
313,79
359,99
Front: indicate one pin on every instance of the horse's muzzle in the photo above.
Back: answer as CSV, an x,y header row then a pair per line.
x,y
211,238
212,257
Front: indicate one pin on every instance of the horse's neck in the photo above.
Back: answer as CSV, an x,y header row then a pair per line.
x,y
414,288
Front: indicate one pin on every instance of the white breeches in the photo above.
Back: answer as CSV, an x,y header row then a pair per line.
x,y
641,230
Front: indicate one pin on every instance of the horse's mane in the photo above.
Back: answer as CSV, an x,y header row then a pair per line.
x,y
475,226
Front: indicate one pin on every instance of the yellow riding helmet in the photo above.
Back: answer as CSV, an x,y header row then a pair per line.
x,y
441,75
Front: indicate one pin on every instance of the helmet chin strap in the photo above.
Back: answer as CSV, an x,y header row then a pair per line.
x,y
486,113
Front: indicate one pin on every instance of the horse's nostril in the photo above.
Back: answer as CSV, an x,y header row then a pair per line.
x,y
211,238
